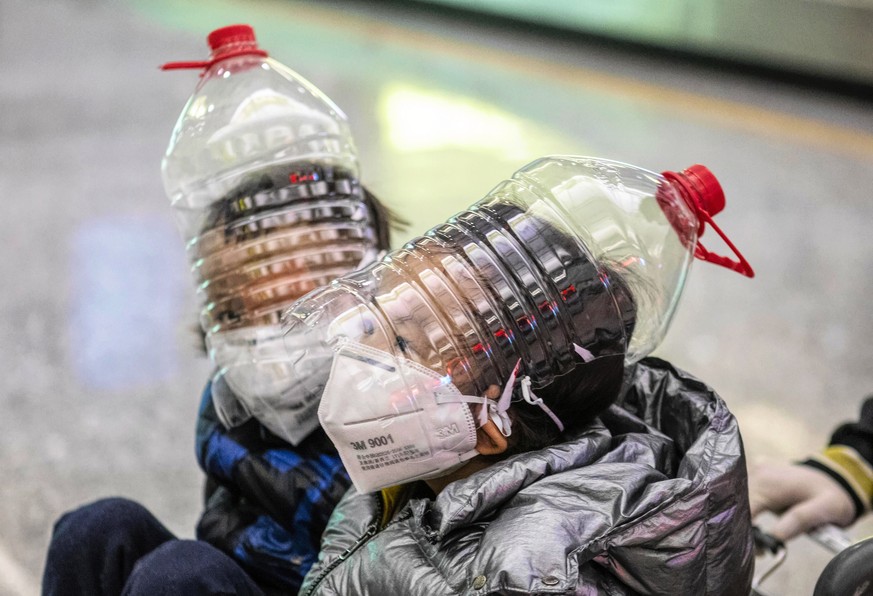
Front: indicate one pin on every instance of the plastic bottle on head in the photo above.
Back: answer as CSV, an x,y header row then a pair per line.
x,y
571,260
263,177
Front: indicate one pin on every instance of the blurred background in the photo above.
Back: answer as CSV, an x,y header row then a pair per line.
x,y
102,377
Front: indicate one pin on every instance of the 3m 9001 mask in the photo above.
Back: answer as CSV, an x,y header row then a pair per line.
x,y
413,424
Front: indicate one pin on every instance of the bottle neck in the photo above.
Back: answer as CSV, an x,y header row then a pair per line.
x,y
234,49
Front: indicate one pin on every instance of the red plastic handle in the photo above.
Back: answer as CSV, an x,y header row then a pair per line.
x,y
190,64
741,265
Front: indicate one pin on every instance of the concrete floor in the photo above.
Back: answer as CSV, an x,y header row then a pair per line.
x,y
102,379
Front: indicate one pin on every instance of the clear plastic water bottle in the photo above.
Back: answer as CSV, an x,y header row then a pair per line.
x,y
263,177
572,256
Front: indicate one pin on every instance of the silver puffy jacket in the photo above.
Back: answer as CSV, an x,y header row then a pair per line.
x,y
651,499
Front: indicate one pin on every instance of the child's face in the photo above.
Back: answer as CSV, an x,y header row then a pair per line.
x,y
249,281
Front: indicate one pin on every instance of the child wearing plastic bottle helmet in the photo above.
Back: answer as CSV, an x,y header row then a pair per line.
x,y
267,509
551,269
262,174
485,450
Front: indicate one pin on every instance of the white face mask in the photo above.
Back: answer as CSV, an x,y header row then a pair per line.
x,y
266,385
271,377
394,421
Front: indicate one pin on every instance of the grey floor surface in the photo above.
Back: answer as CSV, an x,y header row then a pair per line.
x,y
101,378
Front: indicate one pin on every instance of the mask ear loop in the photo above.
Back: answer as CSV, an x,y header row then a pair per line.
x,y
500,418
527,394
584,354
489,409
497,412
531,398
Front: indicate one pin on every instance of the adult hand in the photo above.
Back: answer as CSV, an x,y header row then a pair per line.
x,y
803,498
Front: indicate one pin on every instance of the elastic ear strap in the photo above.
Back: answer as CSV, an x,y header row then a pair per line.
x,y
498,410
450,397
532,399
584,354
371,255
489,407
500,418
506,396
467,456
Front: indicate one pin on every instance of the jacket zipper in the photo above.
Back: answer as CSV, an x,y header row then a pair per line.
x,y
372,529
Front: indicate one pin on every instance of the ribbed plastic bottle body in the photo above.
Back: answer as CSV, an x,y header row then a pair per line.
x,y
263,177
570,252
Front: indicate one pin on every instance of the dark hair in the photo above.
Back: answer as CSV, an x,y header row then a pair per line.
x,y
385,220
591,388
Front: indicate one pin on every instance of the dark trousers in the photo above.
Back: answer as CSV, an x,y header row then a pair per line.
x,y
116,546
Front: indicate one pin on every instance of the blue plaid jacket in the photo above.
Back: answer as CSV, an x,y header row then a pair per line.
x,y
266,502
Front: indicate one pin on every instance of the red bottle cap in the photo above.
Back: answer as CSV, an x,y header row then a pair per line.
x,y
706,188
230,35
225,42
